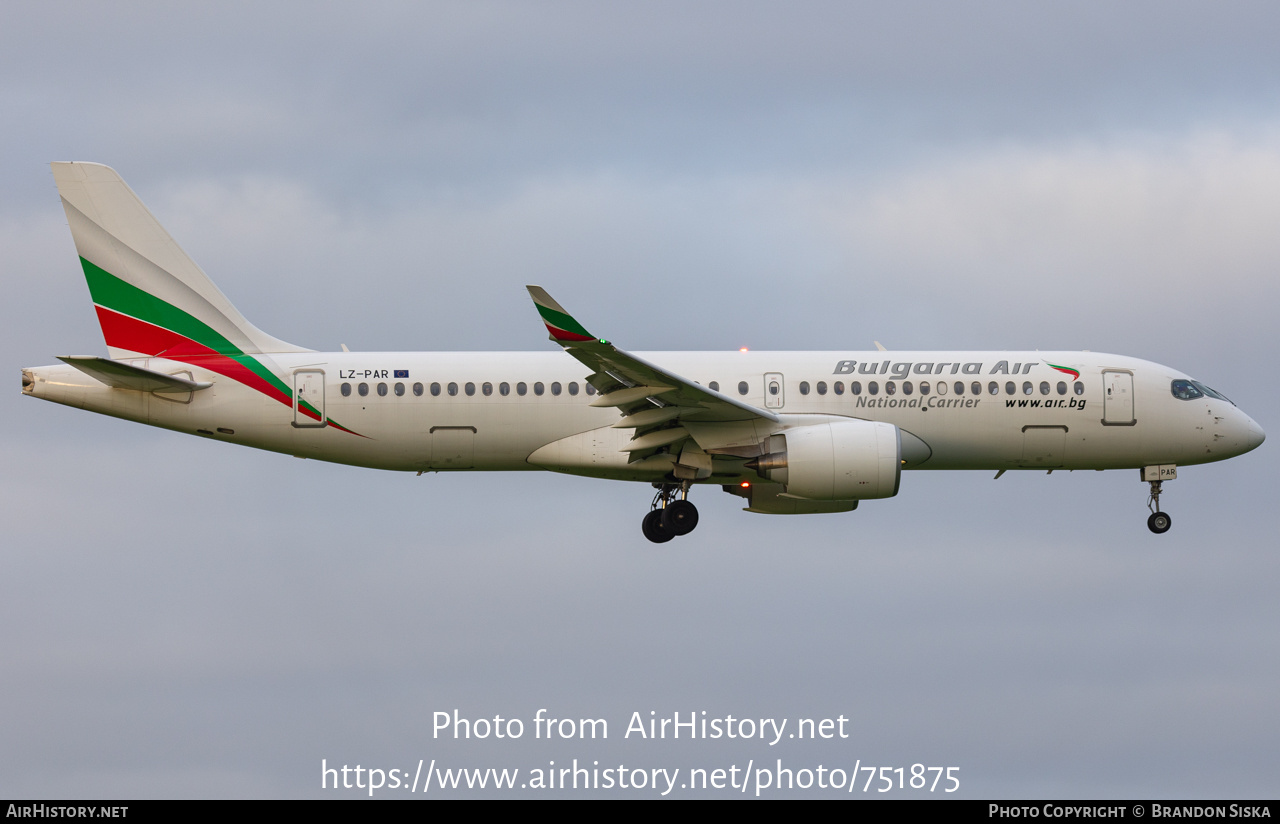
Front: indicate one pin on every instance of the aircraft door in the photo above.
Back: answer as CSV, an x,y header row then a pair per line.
x,y
774,395
308,398
1117,398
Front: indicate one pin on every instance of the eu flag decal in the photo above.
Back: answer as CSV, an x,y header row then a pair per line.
x,y
402,373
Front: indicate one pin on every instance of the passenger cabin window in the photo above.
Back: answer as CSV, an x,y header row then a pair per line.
x,y
435,390
399,389
573,388
959,387
417,389
363,389
453,388
821,387
555,387
1027,388
504,389
873,388
1079,388
714,386
838,387
346,390
538,388
1044,387
1062,387
486,389
521,388
470,389
742,387
855,387
993,388
804,388
591,390
1010,388
976,388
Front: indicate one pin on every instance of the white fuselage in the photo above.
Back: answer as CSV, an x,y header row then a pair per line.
x,y
1119,413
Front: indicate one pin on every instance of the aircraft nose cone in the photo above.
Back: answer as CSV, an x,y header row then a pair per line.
x,y
1255,436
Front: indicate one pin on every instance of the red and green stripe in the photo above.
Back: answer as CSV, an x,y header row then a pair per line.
x,y
561,325
1074,373
138,321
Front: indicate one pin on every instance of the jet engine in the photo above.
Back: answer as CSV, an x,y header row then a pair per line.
x,y
841,461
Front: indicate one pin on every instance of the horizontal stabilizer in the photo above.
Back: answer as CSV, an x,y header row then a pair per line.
x,y
127,376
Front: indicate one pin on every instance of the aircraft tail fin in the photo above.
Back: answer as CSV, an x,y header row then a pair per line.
x,y
150,297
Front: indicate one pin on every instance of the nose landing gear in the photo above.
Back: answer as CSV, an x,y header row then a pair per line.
x,y
669,516
1159,522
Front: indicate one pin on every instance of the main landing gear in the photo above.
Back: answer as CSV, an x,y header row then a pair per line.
x,y
670,515
1159,522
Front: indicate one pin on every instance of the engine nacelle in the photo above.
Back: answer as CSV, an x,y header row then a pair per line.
x,y
843,461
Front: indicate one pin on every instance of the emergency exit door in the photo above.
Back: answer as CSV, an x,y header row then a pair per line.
x,y
774,393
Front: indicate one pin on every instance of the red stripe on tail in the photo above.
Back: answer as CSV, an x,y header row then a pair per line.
x,y
124,332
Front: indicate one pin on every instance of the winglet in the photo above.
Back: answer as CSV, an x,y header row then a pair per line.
x,y
561,325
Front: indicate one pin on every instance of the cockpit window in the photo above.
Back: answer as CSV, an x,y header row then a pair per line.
x,y
1211,393
1185,390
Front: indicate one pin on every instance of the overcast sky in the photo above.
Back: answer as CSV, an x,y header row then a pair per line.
x,y
186,619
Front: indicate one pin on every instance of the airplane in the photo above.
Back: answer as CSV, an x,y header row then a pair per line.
x,y
790,432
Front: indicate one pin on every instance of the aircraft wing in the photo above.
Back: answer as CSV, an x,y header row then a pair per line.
x,y
653,401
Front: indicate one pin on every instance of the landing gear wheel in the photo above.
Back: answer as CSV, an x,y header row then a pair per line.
x,y
1159,522
653,529
679,517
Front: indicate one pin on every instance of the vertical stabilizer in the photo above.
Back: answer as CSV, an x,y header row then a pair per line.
x,y
151,298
